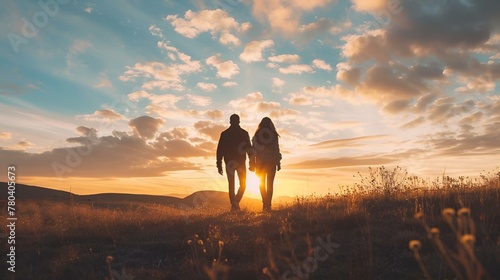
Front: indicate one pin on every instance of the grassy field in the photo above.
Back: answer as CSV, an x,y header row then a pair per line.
x,y
361,233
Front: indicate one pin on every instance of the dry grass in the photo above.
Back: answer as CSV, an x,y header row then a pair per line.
x,y
366,229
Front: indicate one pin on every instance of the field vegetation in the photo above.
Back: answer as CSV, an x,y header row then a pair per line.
x,y
388,226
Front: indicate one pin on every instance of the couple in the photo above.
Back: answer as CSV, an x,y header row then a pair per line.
x,y
264,154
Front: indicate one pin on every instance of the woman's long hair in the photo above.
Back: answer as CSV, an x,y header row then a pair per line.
x,y
266,132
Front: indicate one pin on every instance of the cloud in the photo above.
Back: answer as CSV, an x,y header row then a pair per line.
x,y
253,50
156,31
145,126
103,82
121,155
5,135
109,114
396,106
296,69
103,115
213,21
447,35
371,6
225,69
278,84
284,16
282,114
372,45
24,144
211,114
384,84
285,58
88,136
424,101
444,108
322,25
254,102
230,84
210,129
470,122
214,114
413,123
137,95
320,64
347,142
78,47
206,86
174,133
267,106
483,142
319,96
165,100
341,162
348,74
160,76
227,38
299,99
175,148
199,100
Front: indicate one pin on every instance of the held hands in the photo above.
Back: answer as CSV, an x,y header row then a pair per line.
x,y
251,165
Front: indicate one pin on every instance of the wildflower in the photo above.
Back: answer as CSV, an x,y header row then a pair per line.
x,y
434,232
200,242
109,259
468,239
189,242
415,245
221,243
448,212
419,216
464,212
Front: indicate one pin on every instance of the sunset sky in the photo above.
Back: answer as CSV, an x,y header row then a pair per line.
x,y
131,96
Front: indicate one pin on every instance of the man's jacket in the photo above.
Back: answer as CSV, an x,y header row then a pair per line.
x,y
234,144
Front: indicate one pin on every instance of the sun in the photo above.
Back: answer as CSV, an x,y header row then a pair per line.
x,y
253,183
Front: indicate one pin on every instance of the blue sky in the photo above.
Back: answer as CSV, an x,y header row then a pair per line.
x,y
133,96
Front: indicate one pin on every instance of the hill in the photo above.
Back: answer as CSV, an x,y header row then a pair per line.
x,y
211,199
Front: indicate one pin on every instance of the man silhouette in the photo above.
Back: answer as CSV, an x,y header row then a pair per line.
x,y
234,144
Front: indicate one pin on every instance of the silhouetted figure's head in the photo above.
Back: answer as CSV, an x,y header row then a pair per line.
x,y
266,122
234,119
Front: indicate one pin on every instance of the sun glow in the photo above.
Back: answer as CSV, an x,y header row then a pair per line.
x,y
253,183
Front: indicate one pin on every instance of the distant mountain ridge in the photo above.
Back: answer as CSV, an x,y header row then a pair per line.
x,y
208,198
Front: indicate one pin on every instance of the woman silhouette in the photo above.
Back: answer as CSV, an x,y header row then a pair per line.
x,y
267,159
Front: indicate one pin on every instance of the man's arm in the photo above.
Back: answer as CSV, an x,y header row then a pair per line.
x,y
251,153
220,154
